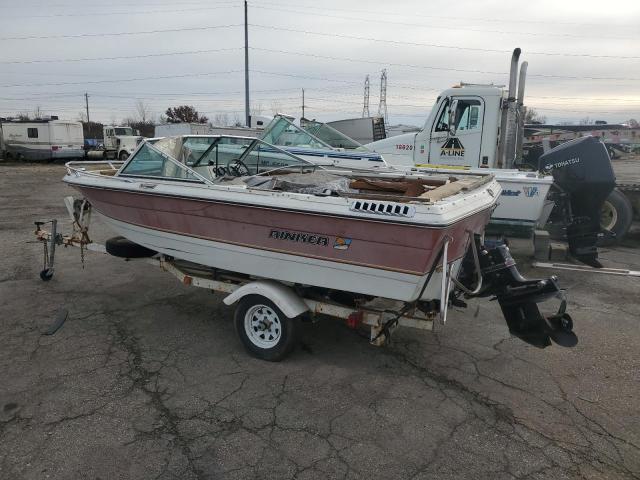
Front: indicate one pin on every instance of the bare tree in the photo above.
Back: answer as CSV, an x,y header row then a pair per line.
x,y
82,116
633,123
256,109
532,116
143,111
37,113
220,120
585,121
276,107
237,120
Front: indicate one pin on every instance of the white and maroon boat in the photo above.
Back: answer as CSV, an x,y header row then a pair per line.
x,y
243,205
284,237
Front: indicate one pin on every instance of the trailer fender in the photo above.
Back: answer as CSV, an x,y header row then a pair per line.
x,y
285,299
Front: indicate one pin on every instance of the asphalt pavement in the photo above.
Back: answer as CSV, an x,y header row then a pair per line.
x,y
147,379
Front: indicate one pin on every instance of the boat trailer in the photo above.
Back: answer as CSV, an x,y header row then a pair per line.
x,y
266,308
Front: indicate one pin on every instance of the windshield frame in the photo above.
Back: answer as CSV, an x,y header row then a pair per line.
x,y
298,129
122,174
254,142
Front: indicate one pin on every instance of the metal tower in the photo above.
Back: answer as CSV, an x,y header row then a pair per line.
x,y
382,108
365,108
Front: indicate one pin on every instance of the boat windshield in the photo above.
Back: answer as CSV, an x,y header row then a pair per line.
x,y
283,132
246,156
331,136
149,161
205,158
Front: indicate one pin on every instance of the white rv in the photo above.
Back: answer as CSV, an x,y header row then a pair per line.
x,y
46,139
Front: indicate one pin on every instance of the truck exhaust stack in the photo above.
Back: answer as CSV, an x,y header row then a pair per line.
x,y
508,114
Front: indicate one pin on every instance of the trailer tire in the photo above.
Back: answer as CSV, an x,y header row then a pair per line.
x,y
264,330
616,216
123,248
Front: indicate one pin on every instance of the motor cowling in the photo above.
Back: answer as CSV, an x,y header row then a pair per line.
x,y
582,169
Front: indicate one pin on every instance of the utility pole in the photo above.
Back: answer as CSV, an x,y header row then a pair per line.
x,y
365,107
303,103
86,101
246,67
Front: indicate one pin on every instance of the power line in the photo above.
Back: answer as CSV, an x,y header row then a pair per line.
x,y
88,5
102,14
145,32
447,27
441,17
436,45
120,80
308,77
37,96
408,65
121,57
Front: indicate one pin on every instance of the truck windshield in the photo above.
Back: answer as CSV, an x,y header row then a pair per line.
x,y
124,131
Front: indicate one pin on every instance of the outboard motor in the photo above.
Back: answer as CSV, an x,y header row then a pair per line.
x,y
582,169
518,297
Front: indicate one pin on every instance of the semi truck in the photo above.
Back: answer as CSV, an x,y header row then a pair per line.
x,y
482,126
118,142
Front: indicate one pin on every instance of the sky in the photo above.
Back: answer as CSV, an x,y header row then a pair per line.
x,y
584,56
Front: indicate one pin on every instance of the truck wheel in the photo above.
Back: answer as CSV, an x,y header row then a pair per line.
x,y
123,155
264,330
616,216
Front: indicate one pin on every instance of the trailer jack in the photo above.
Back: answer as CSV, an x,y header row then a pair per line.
x,y
519,297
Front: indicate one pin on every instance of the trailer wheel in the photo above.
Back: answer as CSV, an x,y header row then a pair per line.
x,y
616,216
264,330
46,274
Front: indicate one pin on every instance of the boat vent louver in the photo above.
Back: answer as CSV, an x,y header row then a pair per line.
x,y
383,208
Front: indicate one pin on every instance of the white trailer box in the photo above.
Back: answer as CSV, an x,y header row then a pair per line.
x,y
362,130
41,139
171,129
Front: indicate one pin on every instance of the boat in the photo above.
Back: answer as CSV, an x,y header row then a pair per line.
x,y
315,143
284,237
523,204
243,205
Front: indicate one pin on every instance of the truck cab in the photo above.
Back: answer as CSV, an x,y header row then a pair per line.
x,y
461,130
120,141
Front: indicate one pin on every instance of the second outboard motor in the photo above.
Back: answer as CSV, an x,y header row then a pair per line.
x,y
582,169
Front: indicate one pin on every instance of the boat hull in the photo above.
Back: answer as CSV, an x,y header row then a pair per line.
x,y
373,257
520,205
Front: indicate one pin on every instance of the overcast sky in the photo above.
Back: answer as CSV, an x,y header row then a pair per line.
x,y
584,56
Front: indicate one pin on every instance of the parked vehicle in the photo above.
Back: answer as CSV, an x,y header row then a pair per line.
x,y
46,139
286,238
481,127
117,143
